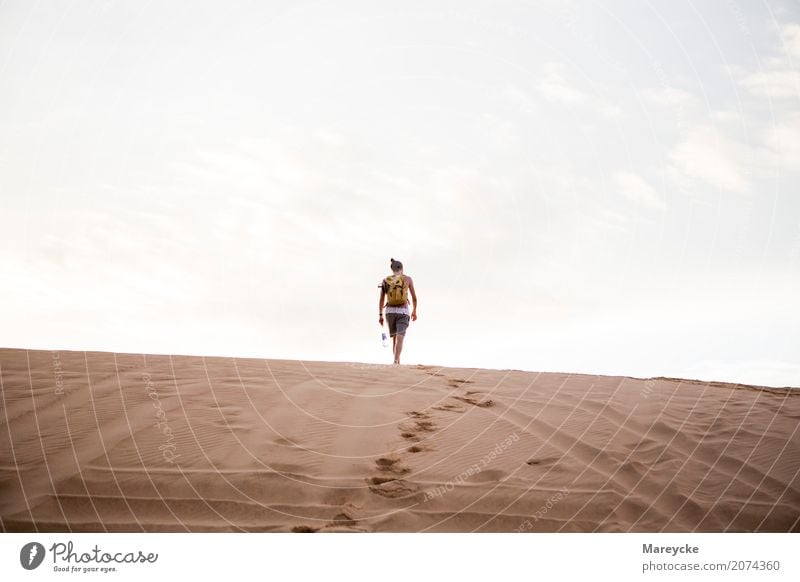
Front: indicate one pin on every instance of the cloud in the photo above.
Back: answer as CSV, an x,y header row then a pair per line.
x,y
227,163
780,80
778,144
777,84
668,96
635,188
329,137
557,88
709,156
519,98
790,35
782,144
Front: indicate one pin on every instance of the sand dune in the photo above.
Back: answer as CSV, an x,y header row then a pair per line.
x,y
125,442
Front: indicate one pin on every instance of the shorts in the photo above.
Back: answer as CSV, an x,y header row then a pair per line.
x,y
398,323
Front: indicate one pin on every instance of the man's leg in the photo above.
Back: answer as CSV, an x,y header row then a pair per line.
x,y
401,325
390,322
398,347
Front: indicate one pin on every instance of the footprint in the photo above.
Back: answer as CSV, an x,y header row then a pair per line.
x,y
390,465
427,370
303,529
418,426
343,519
450,408
409,436
416,449
425,426
417,414
475,402
456,382
390,487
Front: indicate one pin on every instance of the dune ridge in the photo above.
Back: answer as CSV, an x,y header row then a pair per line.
x,y
96,441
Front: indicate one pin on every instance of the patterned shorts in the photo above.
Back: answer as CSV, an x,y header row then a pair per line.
x,y
398,323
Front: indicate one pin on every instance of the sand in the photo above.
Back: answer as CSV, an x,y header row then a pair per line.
x,y
129,442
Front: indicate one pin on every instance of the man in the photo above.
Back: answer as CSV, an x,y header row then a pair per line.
x,y
394,290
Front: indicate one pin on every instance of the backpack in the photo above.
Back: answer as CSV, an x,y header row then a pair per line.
x,y
395,289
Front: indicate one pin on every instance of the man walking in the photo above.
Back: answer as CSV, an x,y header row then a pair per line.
x,y
394,290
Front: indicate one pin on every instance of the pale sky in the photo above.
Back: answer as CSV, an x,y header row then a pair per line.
x,y
606,187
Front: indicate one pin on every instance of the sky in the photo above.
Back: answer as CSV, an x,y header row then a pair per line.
x,y
589,187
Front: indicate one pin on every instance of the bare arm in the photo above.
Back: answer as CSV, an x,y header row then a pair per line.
x,y
380,306
413,297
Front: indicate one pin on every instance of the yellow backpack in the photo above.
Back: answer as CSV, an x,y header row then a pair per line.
x,y
395,289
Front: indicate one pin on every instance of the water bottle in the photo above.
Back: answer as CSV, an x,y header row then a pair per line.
x,y
384,339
